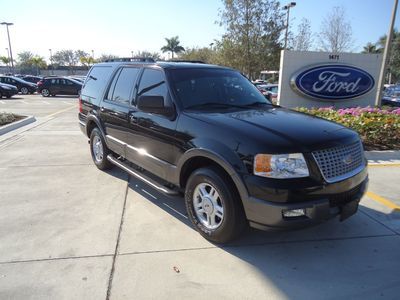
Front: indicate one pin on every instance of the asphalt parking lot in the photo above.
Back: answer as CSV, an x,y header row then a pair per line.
x,y
70,231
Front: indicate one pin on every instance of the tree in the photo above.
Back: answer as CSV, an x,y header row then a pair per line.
x,y
253,36
146,54
371,48
336,34
5,60
394,56
205,54
87,61
303,39
25,59
172,46
39,63
105,57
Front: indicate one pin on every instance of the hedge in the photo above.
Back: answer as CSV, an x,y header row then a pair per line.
x,y
378,128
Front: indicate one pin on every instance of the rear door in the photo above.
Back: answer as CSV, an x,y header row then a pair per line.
x,y
114,109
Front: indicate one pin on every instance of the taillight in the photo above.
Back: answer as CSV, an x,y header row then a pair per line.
x,y
80,104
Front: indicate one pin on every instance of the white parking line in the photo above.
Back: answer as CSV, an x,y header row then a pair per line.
x,y
45,102
2,102
66,102
24,102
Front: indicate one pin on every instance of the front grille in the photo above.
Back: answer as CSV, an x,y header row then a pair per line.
x,y
343,198
341,162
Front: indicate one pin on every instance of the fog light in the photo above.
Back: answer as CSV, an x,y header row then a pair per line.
x,y
292,213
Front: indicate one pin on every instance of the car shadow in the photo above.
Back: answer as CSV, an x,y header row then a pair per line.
x,y
325,261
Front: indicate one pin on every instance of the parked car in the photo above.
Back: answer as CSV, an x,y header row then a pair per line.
x,y
23,86
32,79
7,90
391,96
51,86
272,92
207,132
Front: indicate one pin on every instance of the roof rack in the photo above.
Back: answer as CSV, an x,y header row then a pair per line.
x,y
187,61
132,59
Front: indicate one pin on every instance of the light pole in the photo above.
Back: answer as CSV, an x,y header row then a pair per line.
x,y
287,8
132,54
51,61
93,54
386,53
9,43
8,64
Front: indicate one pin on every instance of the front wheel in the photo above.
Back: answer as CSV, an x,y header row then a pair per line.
x,y
213,206
99,150
45,93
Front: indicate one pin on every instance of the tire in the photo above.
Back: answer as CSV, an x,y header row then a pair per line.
x,y
224,208
45,92
24,90
99,150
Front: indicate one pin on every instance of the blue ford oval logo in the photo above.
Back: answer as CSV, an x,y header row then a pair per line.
x,y
333,82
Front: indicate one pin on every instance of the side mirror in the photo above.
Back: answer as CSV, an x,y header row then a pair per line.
x,y
154,105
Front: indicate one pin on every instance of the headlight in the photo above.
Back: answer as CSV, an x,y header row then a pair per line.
x,y
280,165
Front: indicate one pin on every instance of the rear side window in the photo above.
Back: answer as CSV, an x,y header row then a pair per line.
x,y
122,85
96,81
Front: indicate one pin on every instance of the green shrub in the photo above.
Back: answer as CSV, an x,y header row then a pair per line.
x,y
379,128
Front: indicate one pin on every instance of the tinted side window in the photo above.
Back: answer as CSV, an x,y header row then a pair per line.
x,y
153,84
96,80
125,82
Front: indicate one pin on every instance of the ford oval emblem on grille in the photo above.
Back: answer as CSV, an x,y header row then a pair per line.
x,y
332,82
348,159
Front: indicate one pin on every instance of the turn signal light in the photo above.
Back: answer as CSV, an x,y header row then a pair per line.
x,y
262,163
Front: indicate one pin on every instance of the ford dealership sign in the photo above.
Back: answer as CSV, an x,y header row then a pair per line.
x,y
332,82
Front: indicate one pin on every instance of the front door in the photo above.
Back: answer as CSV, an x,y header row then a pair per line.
x,y
150,136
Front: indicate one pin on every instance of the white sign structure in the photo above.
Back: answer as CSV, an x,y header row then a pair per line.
x,y
321,79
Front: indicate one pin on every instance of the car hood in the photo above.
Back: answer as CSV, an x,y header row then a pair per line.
x,y
280,129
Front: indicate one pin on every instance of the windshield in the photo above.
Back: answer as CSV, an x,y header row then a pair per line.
x,y
197,88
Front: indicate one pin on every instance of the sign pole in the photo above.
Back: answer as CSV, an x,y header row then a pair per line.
x,y
385,57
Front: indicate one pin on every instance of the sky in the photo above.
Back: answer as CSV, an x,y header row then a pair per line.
x,y
119,27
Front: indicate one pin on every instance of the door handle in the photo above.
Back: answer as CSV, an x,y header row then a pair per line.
x,y
102,109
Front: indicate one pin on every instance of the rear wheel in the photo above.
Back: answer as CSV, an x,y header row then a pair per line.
x,y
213,206
99,150
45,93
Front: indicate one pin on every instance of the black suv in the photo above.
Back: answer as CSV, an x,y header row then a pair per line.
x,y
23,86
207,131
51,86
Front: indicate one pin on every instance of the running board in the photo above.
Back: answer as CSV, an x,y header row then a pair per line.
x,y
141,177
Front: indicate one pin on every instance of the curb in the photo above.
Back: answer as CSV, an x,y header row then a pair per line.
x,y
387,157
15,125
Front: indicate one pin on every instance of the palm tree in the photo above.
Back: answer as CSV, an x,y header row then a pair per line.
x,y
38,62
173,46
371,48
5,60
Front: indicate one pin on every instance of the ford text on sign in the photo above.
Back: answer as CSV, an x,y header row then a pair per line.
x,y
332,82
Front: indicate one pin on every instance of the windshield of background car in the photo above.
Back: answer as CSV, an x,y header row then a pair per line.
x,y
196,86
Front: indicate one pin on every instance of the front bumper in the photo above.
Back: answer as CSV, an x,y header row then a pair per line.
x,y
323,203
